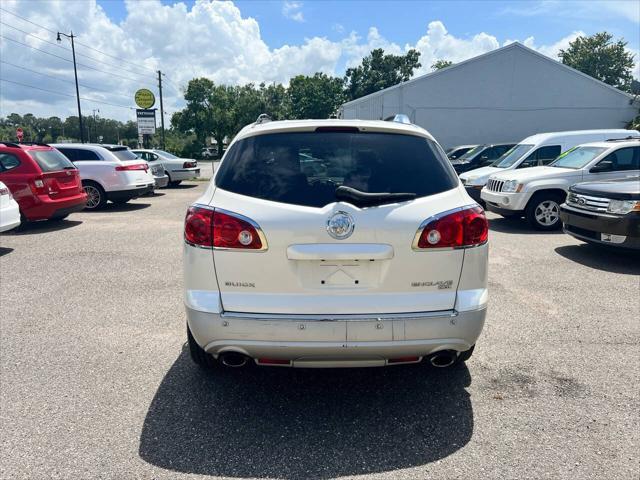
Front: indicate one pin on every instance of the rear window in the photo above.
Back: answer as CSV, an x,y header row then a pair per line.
x,y
307,168
51,160
124,154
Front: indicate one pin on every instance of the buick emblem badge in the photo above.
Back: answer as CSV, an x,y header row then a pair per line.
x,y
340,225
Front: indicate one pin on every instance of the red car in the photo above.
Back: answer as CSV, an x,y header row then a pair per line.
x,y
44,182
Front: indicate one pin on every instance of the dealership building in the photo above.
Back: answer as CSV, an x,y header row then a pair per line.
x,y
501,96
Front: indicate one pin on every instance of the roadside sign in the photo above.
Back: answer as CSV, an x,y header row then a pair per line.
x,y
146,121
19,133
144,98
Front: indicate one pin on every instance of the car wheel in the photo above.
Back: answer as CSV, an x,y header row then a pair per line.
x,y
175,183
543,211
96,198
197,353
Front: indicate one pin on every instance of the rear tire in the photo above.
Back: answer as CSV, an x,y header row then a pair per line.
x,y
197,353
543,211
175,183
96,197
120,201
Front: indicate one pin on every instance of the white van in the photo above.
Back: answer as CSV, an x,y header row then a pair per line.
x,y
537,150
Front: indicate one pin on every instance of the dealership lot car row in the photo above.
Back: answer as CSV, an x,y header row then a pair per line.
x,y
49,182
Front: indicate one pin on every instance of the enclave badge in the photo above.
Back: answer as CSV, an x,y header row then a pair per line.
x,y
340,225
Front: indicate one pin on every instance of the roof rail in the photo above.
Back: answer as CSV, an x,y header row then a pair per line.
x,y
10,144
263,118
13,144
399,118
622,139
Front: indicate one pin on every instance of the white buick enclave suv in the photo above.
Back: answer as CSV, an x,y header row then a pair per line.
x,y
334,243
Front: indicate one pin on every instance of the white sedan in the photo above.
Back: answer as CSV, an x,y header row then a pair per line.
x,y
177,169
9,210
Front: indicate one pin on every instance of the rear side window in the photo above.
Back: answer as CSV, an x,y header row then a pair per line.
x,y
8,161
306,168
51,160
79,155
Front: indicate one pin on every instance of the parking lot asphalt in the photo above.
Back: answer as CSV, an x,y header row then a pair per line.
x,y
96,381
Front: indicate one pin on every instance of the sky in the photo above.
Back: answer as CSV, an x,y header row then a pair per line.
x,y
122,43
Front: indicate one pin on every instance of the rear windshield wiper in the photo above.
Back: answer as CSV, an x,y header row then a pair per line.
x,y
364,199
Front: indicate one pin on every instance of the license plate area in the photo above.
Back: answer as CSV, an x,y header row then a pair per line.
x,y
342,274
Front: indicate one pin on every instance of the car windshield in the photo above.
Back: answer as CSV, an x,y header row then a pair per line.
x,y
124,154
512,156
51,160
165,154
472,153
312,168
577,157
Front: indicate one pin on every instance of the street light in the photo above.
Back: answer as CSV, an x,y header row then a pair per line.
x,y
75,72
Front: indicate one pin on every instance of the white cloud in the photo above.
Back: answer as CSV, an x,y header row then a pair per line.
x,y
293,11
439,44
211,39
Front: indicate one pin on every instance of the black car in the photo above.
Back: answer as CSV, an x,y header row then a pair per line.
x,y
480,156
605,213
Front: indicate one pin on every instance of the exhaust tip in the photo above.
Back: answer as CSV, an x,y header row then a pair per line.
x,y
443,359
233,359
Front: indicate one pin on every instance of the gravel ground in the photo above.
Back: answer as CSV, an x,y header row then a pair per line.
x,y
96,381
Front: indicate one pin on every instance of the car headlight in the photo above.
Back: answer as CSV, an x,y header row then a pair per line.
x,y
511,186
623,206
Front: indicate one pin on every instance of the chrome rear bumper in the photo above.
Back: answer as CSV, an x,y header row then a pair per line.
x,y
336,340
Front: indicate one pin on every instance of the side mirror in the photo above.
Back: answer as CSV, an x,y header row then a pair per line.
x,y
604,166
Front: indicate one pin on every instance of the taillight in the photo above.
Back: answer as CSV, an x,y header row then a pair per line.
x,y
137,166
204,227
198,227
38,187
189,164
461,228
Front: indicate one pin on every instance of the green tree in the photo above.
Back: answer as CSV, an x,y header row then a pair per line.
x,y
315,97
440,64
601,58
379,71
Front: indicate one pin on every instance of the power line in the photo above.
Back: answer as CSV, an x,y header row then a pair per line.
x,y
66,94
83,44
67,60
78,54
64,80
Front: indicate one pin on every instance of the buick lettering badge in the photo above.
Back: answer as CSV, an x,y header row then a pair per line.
x,y
340,225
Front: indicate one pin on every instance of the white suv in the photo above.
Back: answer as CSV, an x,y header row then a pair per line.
x,y
334,243
109,172
538,192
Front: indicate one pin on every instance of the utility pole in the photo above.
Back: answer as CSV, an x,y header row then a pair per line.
x,y
95,126
75,72
161,107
